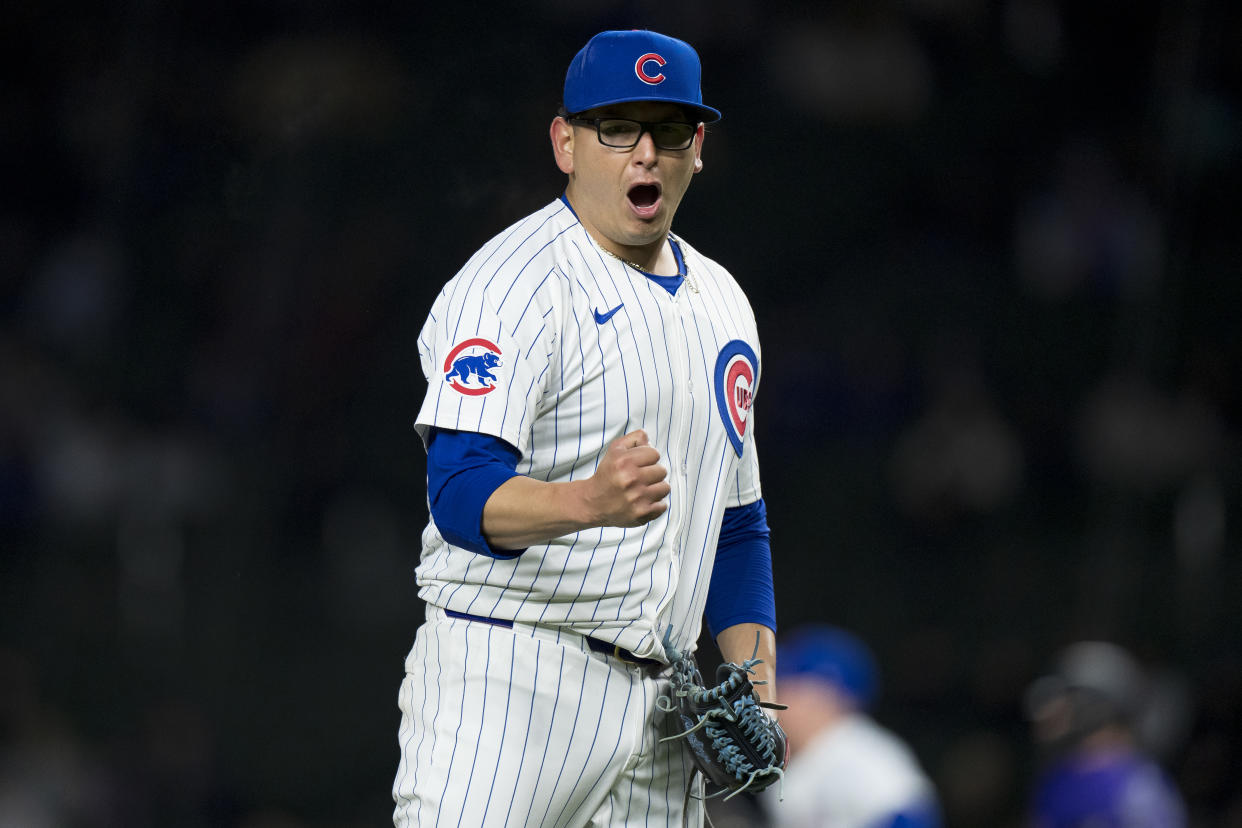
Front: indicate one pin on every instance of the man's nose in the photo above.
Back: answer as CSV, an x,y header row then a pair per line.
x,y
645,150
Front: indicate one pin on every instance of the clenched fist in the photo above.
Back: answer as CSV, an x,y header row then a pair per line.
x,y
629,486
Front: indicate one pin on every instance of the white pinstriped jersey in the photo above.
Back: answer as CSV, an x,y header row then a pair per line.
x,y
549,343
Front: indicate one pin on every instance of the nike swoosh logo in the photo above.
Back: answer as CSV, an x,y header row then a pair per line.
x,y
601,318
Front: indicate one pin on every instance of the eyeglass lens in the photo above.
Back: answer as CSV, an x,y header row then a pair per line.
x,y
622,132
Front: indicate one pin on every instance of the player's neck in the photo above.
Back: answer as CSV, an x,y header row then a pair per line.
x,y
657,258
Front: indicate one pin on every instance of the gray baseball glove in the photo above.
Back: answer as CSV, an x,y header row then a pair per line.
x,y
735,745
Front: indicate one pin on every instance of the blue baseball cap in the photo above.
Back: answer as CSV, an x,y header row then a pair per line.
x,y
833,655
637,65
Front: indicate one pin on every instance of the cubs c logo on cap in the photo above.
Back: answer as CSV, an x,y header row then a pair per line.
x,y
640,68
737,376
468,367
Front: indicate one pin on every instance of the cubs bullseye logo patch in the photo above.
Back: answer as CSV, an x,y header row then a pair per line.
x,y
737,377
468,367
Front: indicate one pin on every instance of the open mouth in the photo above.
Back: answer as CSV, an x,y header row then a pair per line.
x,y
644,195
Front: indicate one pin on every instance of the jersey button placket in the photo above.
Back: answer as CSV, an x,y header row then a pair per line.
x,y
672,310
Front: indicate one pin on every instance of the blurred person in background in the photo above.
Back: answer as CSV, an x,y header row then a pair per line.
x,y
845,770
1096,771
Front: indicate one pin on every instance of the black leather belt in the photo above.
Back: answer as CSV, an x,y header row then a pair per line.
x,y
614,650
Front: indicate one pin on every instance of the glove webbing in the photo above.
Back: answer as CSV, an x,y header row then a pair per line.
x,y
757,751
731,700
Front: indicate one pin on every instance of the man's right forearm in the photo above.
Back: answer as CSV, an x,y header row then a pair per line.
x,y
629,488
523,512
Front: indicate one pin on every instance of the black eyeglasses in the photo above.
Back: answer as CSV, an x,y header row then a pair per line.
x,y
623,133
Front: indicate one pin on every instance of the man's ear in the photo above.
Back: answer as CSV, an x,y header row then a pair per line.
x,y
699,135
562,135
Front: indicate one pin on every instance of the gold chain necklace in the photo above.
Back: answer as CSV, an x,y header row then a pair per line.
x,y
685,275
624,260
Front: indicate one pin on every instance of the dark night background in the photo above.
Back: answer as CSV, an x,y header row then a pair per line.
x,y
994,253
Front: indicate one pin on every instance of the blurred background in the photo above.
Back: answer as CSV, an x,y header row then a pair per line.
x,y
994,252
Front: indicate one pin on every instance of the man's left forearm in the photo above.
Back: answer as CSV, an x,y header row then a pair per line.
x,y
737,644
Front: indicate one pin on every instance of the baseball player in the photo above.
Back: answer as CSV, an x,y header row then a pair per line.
x,y
845,770
592,478
1085,717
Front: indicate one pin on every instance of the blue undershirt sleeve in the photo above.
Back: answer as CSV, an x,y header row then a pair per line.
x,y
918,817
741,590
464,468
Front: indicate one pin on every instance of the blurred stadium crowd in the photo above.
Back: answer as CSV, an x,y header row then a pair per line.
x,y
994,252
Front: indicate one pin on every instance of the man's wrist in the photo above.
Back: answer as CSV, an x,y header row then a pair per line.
x,y
574,502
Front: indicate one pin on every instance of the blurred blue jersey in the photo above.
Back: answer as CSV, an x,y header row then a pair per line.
x,y
1122,791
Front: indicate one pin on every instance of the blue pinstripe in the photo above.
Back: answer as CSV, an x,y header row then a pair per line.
x,y
461,715
496,272
530,715
616,745
505,730
703,454
573,728
603,702
474,756
547,742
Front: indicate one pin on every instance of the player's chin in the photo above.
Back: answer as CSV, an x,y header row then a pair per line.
x,y
641,234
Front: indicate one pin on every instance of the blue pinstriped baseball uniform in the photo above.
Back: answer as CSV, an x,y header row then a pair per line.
x,y
510,716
